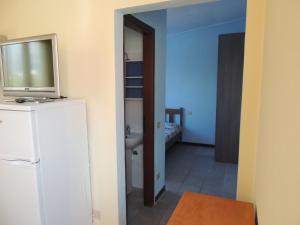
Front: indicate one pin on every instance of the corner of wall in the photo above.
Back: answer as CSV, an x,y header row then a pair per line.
x,y
253,72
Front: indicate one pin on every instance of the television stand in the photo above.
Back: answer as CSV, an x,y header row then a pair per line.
x,y
33,99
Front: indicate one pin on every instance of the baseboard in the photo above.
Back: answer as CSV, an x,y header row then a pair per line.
x,y
199,144
162,190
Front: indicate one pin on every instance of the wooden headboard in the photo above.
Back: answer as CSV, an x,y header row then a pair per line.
x,y
172,113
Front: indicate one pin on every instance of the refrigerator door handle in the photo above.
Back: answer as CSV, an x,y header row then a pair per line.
x,y
19,162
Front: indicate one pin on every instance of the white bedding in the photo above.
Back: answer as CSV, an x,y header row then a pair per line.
x,y
171,129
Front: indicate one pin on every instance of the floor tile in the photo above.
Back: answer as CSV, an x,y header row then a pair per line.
x,y
188,168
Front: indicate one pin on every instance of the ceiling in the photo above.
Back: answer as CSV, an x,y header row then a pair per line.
x,y
190,17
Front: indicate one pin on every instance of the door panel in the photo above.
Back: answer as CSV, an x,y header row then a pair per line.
x,y
19,200
230,81
16,135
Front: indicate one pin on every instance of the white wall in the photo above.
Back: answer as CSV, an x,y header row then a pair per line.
x,y
133,44
134,115
278,153
158,20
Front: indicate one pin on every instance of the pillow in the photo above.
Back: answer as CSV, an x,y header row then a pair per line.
x,y
170,125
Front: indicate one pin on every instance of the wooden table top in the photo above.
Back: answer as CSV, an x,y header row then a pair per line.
x,y
199,209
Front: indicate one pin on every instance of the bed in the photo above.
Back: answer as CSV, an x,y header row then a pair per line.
x,y
173,127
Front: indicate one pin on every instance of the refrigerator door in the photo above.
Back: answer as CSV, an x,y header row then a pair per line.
x,y
17,129
19,193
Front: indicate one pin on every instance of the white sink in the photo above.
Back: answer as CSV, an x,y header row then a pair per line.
x,y
133,140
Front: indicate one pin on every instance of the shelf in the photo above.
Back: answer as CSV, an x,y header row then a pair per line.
x,y
134,80
134,99
134,60
138,77
134,86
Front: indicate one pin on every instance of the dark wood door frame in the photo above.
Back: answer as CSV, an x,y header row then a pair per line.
x,y
148,103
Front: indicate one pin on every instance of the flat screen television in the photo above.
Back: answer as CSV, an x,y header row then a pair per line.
x,y
29,67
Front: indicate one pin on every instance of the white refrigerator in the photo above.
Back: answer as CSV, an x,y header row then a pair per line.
x,y
44,164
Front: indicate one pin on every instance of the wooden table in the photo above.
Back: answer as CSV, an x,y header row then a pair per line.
x,y
199,209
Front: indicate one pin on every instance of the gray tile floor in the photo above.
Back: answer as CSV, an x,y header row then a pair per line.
x,y
188,168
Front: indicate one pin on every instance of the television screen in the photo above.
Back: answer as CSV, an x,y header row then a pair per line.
x,y
30,65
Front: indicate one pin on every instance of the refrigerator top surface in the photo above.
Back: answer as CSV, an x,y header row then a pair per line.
x,y
10,104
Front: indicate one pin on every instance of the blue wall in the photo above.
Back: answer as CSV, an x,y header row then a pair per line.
x,y
158,20
191,78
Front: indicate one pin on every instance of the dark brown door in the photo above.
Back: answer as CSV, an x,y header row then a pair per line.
x,y
229,96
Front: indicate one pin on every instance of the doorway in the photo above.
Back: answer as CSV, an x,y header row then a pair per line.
x,y
252,73
185,113
139,91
